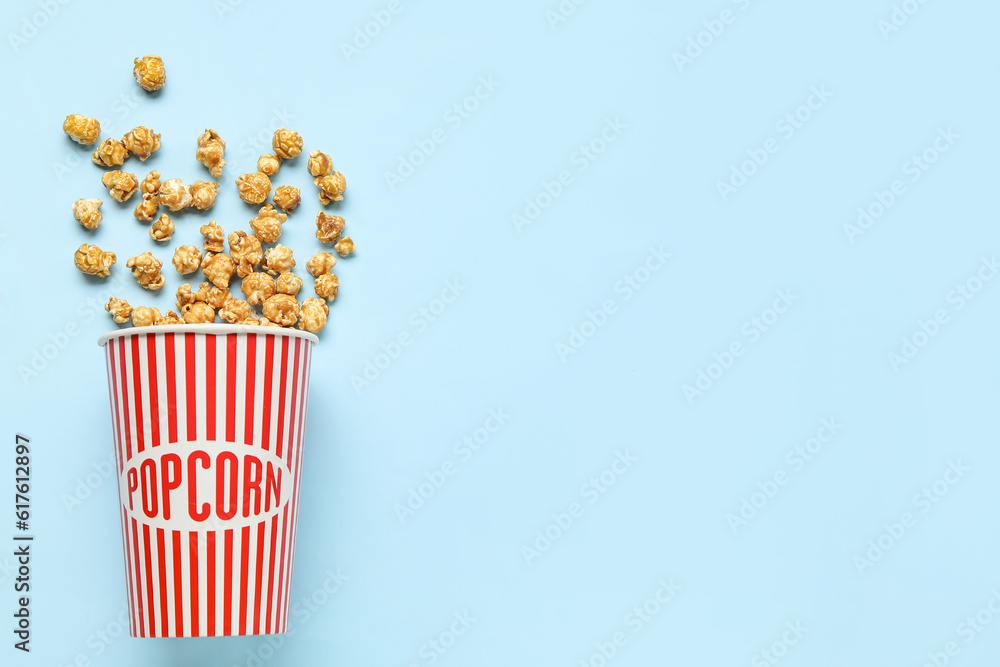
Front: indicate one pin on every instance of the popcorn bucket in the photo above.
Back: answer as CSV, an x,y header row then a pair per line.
x,y
208,424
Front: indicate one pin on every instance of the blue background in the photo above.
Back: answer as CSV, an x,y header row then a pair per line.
x,y
245,68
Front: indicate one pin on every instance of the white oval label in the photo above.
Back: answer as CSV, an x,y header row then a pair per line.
x,y
204,486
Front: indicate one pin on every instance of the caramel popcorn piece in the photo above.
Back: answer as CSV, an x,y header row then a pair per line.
x,y
320,164
251,321
88,212
287,197
170,318
344,246
146,270
82,129
213,295
198,313
146,209
213,236
268,164
149,72
93,261
288,283
203,194
254,187
185,295
246,251
286,143
187,259
320,263
257,287
174,194
331,188
327,286
235,311
267,224
162,229
119,309
313,314
120,184
219,268
328,227
264,322
282,309
151,184
145,317
109,153
141,142
211,148
278,260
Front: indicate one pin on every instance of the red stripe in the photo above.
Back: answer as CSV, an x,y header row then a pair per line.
x,y
299,449
231,388
280,572
192,406
138,578
250,382
210,583
281,395
244,576
125,410
161,576
140,437
114,403
193,560
149,580
178,586
260,576
210,386
227,587
286,527
295,391
128,573
266,407
168,341
274,572
154,404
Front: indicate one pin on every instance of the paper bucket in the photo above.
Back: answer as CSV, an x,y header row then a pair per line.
x,y
208,424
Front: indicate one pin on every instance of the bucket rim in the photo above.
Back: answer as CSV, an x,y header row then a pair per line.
x,y
219,329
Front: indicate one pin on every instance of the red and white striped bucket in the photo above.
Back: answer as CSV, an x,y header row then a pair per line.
x,y
208,429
